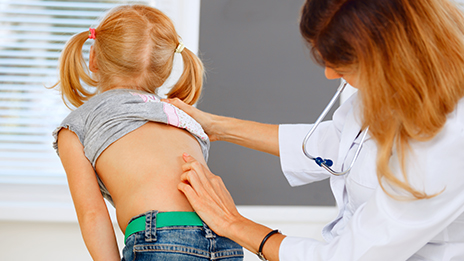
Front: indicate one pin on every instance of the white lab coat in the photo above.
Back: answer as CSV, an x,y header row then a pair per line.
x,y
370,224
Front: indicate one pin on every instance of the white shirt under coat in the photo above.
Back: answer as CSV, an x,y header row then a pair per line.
x,y
371,225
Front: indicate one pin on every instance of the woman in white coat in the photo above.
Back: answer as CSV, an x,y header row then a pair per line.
x,y
404,197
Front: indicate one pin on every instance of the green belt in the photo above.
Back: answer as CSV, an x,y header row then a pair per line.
x,y
164,219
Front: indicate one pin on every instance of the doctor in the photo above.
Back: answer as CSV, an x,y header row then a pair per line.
x,y
403,199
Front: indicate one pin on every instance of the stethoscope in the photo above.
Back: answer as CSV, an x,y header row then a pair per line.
x,y
327,163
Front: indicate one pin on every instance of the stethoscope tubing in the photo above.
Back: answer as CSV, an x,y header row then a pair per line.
x,y
321,117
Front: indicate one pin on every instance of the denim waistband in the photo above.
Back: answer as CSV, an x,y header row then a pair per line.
x,y
163,219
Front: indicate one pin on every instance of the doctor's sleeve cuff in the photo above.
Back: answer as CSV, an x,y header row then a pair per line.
x,y
296,248
297,168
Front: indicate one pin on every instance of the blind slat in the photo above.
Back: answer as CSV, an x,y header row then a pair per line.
x,y
31,71
44,12
13,165
29,62
47,21
26,138
25,147
31,79
23,87
23,105
30,54
38,37
40,114
31,45
83,5
18,95
47,29
27,156
33,131
22,121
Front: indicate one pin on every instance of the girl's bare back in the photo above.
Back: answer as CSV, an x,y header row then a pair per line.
x,y
142,170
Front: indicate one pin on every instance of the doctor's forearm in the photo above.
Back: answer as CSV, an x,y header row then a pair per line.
x,y
250,134
250,235
253,135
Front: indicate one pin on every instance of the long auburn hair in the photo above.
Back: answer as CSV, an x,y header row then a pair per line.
x,y
134,44
409,55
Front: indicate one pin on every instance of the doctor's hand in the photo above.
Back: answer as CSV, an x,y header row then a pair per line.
x,y
212,201
208,196
205,119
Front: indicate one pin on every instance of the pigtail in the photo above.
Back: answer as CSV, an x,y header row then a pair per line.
x,y
73,69
190,84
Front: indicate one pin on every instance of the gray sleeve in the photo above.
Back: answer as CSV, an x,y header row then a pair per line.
x,y
148,107
75,123
72,122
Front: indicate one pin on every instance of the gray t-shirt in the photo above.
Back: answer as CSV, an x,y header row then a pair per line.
x,y
109,116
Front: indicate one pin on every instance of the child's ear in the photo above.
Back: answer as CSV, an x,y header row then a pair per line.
x,y
92,62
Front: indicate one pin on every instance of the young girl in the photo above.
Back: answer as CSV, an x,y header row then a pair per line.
x,y
123,143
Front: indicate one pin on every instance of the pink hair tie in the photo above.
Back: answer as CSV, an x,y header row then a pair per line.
x,y
91,33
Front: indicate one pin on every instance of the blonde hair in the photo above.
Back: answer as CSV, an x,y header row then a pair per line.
x,y
134,44
410,58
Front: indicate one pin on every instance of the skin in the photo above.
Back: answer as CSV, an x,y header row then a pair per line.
x,y
207,193
141,171
349,75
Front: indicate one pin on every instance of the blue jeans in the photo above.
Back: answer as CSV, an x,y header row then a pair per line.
x,y
180,243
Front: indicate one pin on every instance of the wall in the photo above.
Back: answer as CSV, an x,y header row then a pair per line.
x,y
260,69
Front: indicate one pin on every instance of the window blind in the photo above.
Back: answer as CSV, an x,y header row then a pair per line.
x,y
32,35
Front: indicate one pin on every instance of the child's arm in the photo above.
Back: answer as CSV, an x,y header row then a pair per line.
x,y
94,220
